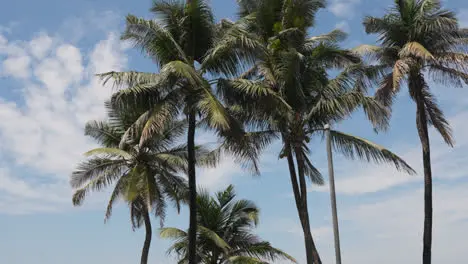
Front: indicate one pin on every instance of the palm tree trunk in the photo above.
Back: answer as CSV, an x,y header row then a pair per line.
x,y
312,253
146,245
421,122
303,212
192,256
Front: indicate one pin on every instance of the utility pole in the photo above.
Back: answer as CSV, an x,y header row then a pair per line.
x,y
336,231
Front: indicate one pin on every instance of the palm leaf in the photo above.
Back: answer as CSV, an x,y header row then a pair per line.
x,y
417,50
103,133
356,147
172,233
153,39
213,237
109,152
96,167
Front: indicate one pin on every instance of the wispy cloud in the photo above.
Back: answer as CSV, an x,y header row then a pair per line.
x,y
396,223
343,8
42,134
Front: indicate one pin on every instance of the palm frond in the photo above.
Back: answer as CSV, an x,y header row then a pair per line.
x,y
334,36
172,233
153,39
128,79
104,133
355,147
400,70
94,168
213,237
118,192
109,152
312,172
417,50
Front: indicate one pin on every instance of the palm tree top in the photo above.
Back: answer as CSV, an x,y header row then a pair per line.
x,y
419,41
225,231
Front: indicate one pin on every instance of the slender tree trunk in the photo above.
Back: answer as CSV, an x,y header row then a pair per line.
x,y
312,256
192,256
303,212
148,229
421,122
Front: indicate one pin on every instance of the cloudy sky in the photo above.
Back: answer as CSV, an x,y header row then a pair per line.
x,y
49,52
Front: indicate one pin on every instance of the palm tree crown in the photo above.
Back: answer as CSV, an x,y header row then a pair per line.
x,y
225,232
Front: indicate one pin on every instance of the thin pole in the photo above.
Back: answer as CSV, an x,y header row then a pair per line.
x,y
336,231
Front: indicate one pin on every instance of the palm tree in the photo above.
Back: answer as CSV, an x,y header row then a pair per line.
x,y
225,232
420,40
188,47
291,70
144,173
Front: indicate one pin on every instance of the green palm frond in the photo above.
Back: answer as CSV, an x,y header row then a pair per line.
x,y
95,183
355,147
129,79
109,152
103,133
181,70
94,168
225,231
118,192
171,14
153,39
198,28
213,237
216,114
234,48
157,120
331,37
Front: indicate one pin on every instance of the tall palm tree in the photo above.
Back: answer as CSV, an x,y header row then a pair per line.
x,y
143,173
291,69
225,232
188,47
420,40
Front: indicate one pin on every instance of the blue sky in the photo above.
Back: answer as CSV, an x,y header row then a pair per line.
x,y
49,52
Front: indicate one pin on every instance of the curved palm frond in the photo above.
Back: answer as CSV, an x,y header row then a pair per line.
x,y
356,147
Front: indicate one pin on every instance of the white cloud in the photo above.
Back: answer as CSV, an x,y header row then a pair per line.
x,y
397,223
215,179
17,67
42,135
40,45
343,8
343,25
